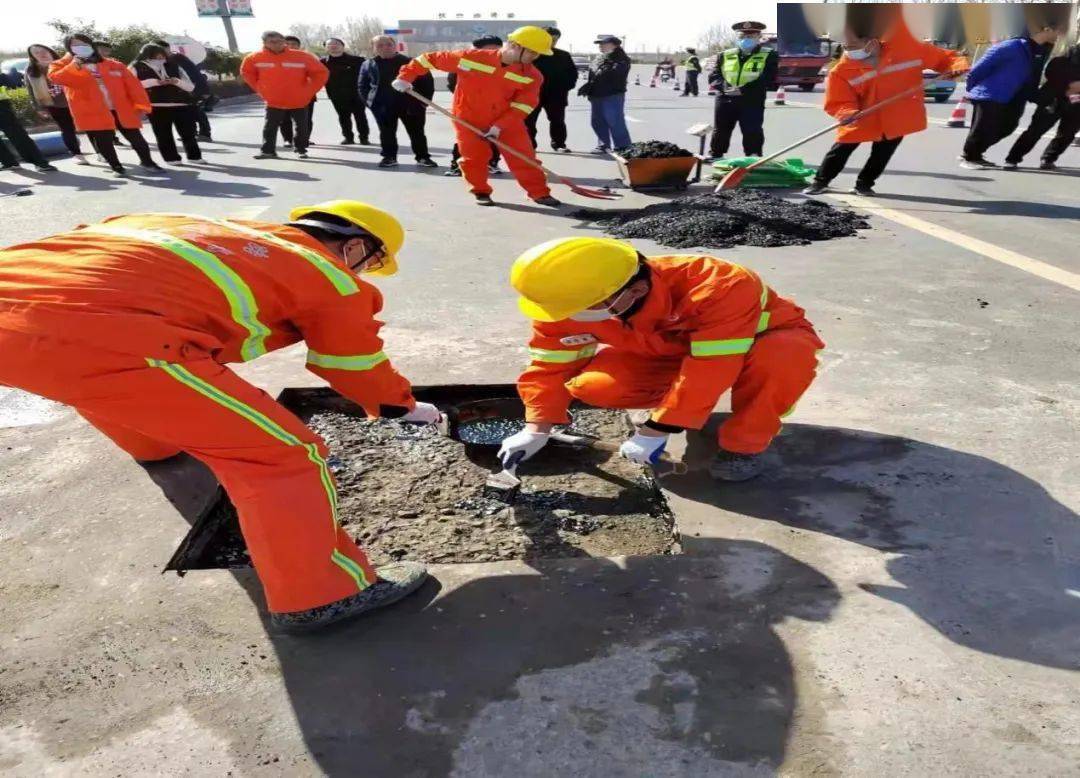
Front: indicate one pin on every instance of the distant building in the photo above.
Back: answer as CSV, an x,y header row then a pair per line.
x,y
442,34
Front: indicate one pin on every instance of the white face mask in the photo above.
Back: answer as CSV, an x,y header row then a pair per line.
x,y
82,51
592,314
859,54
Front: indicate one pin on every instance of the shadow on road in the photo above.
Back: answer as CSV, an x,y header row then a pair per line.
x,y
587,666
1040,210
980,552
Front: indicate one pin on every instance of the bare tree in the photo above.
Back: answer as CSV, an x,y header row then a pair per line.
x,y
358,33
716,38
313,36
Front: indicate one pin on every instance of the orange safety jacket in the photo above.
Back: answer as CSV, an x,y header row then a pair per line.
x,y
488,93
82,88
172,287
853,85
701,309
286,80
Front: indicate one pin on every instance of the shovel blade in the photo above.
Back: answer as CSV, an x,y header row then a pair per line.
x,y
732,179
584,191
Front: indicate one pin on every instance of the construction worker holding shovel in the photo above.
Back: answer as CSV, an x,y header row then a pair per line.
x,y
132,322
496,91
615,329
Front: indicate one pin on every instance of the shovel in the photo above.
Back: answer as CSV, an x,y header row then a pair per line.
x,y
735,177
596,194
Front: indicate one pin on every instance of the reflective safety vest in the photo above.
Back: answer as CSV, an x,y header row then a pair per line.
x,y
740,74
4,93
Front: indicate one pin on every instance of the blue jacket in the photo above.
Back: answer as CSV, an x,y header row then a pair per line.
x,y
1008,70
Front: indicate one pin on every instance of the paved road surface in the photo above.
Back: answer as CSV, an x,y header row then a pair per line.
x,y
898,595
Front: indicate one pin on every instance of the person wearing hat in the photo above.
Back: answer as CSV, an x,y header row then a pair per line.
x,y
615,329
140,348
742,77
489,43
606,90
560,76
693,69
495,91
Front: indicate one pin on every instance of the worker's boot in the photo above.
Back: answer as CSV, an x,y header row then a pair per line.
x,y
395,581
730,466
483,199
548,200
815,189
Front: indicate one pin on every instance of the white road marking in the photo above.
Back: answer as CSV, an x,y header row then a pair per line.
x,y
989,250
248,212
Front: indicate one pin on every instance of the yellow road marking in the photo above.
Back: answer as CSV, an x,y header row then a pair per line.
x,y
989,250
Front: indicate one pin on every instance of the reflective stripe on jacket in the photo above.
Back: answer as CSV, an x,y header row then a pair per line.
x,y
703,309
86,101
853,85
288,80
170,287
488,93
739,74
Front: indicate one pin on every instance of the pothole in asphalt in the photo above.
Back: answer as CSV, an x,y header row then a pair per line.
x,y
408,492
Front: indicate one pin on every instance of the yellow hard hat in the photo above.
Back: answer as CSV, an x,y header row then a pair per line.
x,y
372,220
532,38
567,275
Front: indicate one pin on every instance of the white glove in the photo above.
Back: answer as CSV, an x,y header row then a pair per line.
x,y
493,133
521,446
423,413
401,84
644,449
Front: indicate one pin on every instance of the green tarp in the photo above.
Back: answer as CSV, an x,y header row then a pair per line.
x,y
789,172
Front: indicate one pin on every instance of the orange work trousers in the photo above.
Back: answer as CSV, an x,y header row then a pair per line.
x,y
476,154
777,370
272,466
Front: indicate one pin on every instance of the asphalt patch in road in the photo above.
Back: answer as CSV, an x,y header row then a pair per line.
x,y
653,149
407,492
725,219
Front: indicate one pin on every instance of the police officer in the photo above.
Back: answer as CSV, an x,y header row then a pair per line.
x,y
741,77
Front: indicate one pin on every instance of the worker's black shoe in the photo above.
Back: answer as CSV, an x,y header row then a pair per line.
x,y
561,149
862,189
10,166
264,155
395,581
45,167
729,466
1046,165
388,163
1010,165
977,164
453,171
427,162
816,189
302,154
549,201
600,150
348,142
494,169
484,199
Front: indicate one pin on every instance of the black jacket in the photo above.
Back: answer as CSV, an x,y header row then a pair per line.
x,y
607,75
344,76
1060,72
198,78
163,94
377,94
756,90
560,76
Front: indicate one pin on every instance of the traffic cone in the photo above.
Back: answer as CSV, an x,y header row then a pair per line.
x,y
781,96
653,82
958,118
637,80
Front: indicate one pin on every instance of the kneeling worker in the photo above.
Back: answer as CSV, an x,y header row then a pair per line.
x,y
496,91
132,321
616,329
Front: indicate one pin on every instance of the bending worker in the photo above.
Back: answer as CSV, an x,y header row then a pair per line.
x,y
616,329
132,321
742,77
495,91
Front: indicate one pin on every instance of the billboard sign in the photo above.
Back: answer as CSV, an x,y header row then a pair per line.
x,y
445,31
224,7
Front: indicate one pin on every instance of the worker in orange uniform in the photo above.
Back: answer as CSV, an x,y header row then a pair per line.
x,y
496,91
615,329
871,70
131,321
288,80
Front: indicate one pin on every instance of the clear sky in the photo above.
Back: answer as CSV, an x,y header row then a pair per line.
x,y
645,25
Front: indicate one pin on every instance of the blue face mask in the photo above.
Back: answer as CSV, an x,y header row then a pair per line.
x,y
747,44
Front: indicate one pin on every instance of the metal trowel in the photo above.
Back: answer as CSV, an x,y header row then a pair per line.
x,y
504,485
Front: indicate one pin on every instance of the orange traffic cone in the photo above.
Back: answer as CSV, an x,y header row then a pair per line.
x,y
653,82
958,118
637,80
781,96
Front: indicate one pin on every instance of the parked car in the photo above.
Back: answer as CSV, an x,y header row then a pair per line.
x,y
581,62
14,69
937,87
